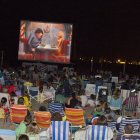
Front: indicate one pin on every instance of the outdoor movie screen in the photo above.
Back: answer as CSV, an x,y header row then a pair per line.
x,y
45,41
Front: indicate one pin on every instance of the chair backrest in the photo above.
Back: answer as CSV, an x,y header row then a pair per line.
x,y
18,113
33,91
75,116
125,93
43,119
132,103
90,89
56,107
60,130
97,132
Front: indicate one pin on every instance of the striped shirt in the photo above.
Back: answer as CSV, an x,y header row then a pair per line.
x,y
112,125
128,121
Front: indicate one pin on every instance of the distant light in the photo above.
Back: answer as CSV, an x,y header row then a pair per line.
x,y
122,62
119,60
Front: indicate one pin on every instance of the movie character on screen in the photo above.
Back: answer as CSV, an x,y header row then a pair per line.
x,y
35,39
62,44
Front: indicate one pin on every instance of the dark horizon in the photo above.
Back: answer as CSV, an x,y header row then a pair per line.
x,y
108,30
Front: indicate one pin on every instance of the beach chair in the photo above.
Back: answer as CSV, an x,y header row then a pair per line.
x,y
43,119
56,107
34,93
60,130
97,132
18,113
75,117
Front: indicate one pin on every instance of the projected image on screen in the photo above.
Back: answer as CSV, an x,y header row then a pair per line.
x,y
42,41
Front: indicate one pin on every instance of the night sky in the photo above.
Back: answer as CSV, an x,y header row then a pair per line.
x,y
102,29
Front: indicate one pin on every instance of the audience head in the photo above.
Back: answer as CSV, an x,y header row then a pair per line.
x,y
73,95
3,100
56,117
21,101
128,129
116,94
42,108
107,110
1,138
28,119
93,97
109,118
102,120
23,137
82,92
98,108
79,103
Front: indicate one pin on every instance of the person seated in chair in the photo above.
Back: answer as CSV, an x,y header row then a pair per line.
x,y
128,133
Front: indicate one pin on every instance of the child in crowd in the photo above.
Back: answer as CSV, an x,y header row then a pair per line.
x,y
20,101
26,100
2,114
5,107
22,128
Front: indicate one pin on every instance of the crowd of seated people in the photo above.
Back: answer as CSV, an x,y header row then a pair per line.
x,y
98,110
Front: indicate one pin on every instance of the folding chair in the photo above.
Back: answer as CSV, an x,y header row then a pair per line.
x,y
33,93
56,107
43,119
124,93
97,132
60,130
90,89
18,113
